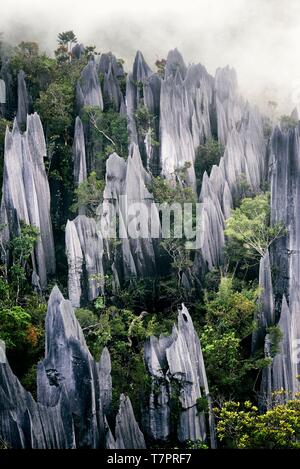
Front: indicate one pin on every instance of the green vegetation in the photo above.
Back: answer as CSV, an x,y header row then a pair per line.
x,y
124,333
22,312
229,322
208,154
223,305
145,122
89,195
242,426
248,228
108,134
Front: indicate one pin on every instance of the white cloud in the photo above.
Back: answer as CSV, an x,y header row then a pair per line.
x,y
258,37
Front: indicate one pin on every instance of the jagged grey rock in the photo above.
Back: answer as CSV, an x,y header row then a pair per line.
x,y
23,99
2,92
74,394
128,433
229,105
78,51
112,72
126,195
26,194
88,88
278,376
243,162
84,248
69,367
79,156
266,314
177,368
143,90
27,424
285,203
105,382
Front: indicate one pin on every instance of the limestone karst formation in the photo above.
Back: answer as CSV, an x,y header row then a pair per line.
x,y
176,365
74,392
168,115
283,373
26,194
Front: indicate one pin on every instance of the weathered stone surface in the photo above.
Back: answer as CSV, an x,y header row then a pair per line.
x,y
285,203
229,106
88,87
2,92
243,162
177,369
111,71
128,434
105,382
23,99
27,424
68,366
126,186
84,247
266,314
26,195
74,394
78,51
278,376
143,90
80,171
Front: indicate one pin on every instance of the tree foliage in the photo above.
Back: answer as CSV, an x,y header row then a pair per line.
x,y
89,194
249,226
242,426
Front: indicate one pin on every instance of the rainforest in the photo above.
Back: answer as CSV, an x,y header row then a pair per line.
x,y
149,255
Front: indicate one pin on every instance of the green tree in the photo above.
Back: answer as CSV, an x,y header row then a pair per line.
x,y
38,67
249,226
89,194
241,426
55,106
229,323
207,154
22,247
108,134
65,40
145,122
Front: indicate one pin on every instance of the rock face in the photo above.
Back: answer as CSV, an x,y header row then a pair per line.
x,y
243,163
143,109
23,99
112,72
125,192
84,247
78,51
266,315
88,88
2,97
278,376
69,367
80,171
178,374
27,424
285,203
128,434
74,394
186,115
26,195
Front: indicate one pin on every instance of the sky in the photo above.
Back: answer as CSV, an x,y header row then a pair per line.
x,y
259,38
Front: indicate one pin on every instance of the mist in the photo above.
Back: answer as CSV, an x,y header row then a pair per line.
x,y
259,38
